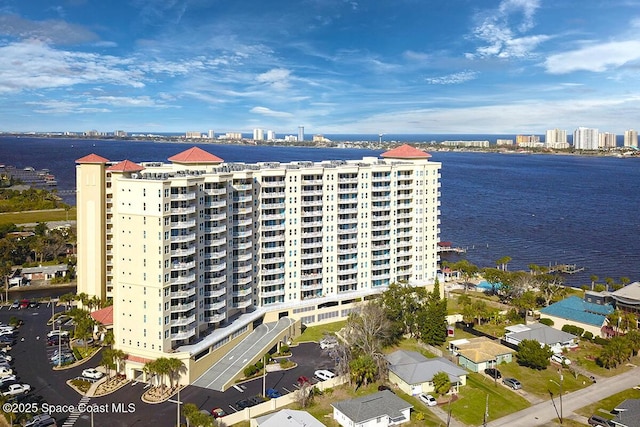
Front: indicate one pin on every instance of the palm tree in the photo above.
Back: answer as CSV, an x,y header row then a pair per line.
x,y
119,356
174,368
108,360
150,369
5,271
594,279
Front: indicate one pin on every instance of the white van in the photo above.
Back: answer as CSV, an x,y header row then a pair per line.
x,y
558,358
323,374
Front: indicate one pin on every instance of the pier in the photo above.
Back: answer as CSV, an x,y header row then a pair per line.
x,y
565,268
444,247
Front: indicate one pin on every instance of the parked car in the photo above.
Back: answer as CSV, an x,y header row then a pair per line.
x,y
272,393
5,356
24,304
512,382
598,421
57,340
323,374
328,342
493,373
15,389
41,421
5,372
16,304
62,359
427,399
558,358
34,304
92,373
303,380
249,402
6,380
5,386
57,332
218,413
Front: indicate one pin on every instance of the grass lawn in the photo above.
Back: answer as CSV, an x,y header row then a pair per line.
x,y
472,400
585,356
409,344
37,216
539,383
316,333
606,405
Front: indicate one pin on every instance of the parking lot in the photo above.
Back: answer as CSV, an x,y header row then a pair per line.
x,y
32,362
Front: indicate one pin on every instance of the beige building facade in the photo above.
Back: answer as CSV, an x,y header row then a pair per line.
x,y
197,252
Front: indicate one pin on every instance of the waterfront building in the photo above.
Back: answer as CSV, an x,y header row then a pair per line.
x,y
500,142
211,134
607,140
196,253
631,138
193,134
528,141
556,139
119,134
290,138
258,135
477,144
233,136
586,138
300,133
271,135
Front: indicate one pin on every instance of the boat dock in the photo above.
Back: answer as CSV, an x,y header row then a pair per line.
x,y
565,268
444,247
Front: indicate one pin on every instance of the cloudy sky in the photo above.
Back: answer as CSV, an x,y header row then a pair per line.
x,y
333,66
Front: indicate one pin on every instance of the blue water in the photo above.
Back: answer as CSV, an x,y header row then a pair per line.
x,y
536,209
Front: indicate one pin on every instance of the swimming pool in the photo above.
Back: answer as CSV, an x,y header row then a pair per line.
x,y
486,286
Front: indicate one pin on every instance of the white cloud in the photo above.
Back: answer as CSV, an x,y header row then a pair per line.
x,y
596,58
264,111
455,78
51,31
277,78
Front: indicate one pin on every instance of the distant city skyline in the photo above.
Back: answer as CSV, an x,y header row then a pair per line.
x,y
335,66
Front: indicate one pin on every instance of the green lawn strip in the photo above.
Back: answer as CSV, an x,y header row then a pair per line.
x,y
605,406
540,382
316,333
37,216
472,398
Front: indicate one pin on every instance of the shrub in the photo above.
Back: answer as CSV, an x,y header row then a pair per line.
x,y
259,365
587,335
546,321
77,354
600,341
573,329
250,370
284,349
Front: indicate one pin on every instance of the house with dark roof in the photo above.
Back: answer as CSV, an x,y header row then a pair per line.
x,y
413,373
381,409
627,413
545,335
575,311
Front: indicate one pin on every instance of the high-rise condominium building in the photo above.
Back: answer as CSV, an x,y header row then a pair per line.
x,y
556,139
258,134
300,133
607,140
586,139
631,138
195,253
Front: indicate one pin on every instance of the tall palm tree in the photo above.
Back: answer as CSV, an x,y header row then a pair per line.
x,y
175,367
5,271
119,356
594,279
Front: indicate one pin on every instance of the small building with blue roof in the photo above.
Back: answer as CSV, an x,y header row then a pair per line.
x,y
575,311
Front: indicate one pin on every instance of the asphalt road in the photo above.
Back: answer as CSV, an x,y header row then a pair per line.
x,y
125,408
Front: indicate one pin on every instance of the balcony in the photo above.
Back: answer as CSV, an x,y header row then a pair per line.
x,y
215,293
215,203
273,184
243,210
348,190
178,266
307,213
310,234
217,229
276,238
217,242
342,221
218,317
183,307
353,270
242,246
386,198
350,230
215,306
242,269
311,255
312,266
246,280
184,293
215,281
312,192
311,244
272,282
275,293
272,205
183,210
307,224
310,286
348,211
183,252
183,196
316,202
183,335
267,271
246,256
183,224
272,249
348,238
243,222
242,199
183,238
242,234
348,180
312,181
384,177
215,255
215,191
243,304
349,251
214,267
278,216
278,227
272,260
242,292
183,280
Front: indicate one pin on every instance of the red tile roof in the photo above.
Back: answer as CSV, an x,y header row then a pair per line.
x,y
92,158
125,166
406,151
104,316
195,155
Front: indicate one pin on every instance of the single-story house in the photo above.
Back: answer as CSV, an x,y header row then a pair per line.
x,y
627,413
381,409
574,310
477,354
286,418
554,338
45,272
413,373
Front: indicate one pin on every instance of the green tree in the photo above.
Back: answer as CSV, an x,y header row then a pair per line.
x,y
194,417
593,279
364,370
525,302
433,318
532,355
441,383
119,357
502,263
108,361
617,351
175,367
84,329
5,271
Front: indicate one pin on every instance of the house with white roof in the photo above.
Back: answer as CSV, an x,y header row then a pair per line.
x,y
557,340
413,373
286,418
381,409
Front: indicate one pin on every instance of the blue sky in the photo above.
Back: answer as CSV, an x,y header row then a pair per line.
x,y
333,66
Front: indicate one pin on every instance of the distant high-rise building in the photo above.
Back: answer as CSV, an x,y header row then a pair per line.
x,y
607,140
211,134
193,134
258,135
527,140
504,141
271,135
585,138
300,133
556,139
631,138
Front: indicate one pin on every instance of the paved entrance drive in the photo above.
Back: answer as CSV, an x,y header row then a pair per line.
x,y
255,344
